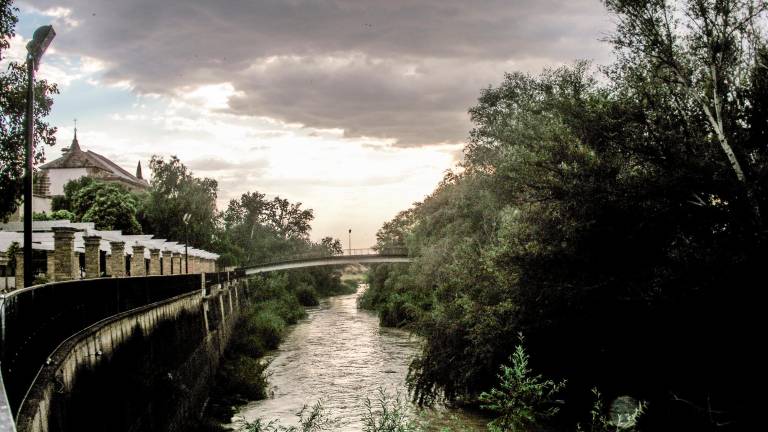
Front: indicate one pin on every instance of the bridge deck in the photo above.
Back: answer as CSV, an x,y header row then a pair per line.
x,y
354,257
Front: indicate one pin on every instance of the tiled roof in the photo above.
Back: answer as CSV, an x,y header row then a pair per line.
x,y
77,158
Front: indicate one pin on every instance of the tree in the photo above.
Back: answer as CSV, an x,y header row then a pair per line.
x,y
110,206
257,229
332,246
13,84
64,202
289,220
174,192
706,54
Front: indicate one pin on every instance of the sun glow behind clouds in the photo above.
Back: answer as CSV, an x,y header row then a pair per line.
x,y
356,183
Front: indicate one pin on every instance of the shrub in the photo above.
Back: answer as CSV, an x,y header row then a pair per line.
x,y
315,419
523,400
244,376
388,415
306,295
266,326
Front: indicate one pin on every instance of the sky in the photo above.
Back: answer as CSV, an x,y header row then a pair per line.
x,y
354,108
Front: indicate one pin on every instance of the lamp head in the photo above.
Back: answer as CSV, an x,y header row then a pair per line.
x,y
39,43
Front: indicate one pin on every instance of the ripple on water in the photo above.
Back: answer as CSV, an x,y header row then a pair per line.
x,y
339,355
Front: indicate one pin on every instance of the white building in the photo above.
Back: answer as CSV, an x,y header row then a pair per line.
x,y
76,163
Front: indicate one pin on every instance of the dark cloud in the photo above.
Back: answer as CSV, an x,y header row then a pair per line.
x,y
400,69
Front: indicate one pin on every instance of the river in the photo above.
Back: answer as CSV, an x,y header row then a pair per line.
x,y
340,356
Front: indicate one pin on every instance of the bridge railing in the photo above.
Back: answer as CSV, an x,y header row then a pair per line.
x,y
35,320
392,251
213,279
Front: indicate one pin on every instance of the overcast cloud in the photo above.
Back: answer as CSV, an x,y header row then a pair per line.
x,y
396,69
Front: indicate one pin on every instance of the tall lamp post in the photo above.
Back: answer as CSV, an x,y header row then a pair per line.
x,y
35,50
186,242
350,242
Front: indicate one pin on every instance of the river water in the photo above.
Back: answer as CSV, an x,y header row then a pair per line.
x,y
340,356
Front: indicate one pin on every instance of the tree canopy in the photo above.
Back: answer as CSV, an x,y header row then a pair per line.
x,y
613,215
13,98
174,192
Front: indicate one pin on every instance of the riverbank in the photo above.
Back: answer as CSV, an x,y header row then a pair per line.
x,y
278,301
340,356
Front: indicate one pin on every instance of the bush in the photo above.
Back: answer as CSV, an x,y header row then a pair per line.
x,y
306,295
267,326
388,415
244,376
315,419
524,400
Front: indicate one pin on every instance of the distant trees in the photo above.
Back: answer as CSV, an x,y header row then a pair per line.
x,y
174,192
615,219
257,228
12,111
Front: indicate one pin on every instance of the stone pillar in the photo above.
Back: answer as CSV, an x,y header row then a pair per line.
x,y
138,267
19,269
154,261
50,265
167,262
92,256
64,249
176,263
76,265
117,260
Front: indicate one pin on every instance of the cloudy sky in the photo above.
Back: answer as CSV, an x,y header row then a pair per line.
x,y
353,107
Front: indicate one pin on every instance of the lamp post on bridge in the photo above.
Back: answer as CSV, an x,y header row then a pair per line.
x,y
350,242
35,50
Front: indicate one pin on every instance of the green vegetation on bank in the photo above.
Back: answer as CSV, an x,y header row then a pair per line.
x,y
276,301
616,217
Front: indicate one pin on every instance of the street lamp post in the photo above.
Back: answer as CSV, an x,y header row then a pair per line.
x,y
186,242
350,242
35,50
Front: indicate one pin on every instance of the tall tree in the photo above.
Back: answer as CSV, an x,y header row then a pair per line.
x,y
175,191
13,83
706,54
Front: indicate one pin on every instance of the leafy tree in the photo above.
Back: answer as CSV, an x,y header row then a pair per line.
x,y
706,55
110,206
174,192
332,246
599,213
289,220
64,202
12,113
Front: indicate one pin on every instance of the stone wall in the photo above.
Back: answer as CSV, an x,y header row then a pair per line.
x,y
80,359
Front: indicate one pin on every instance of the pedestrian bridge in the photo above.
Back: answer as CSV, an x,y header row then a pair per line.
x,y
348,256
